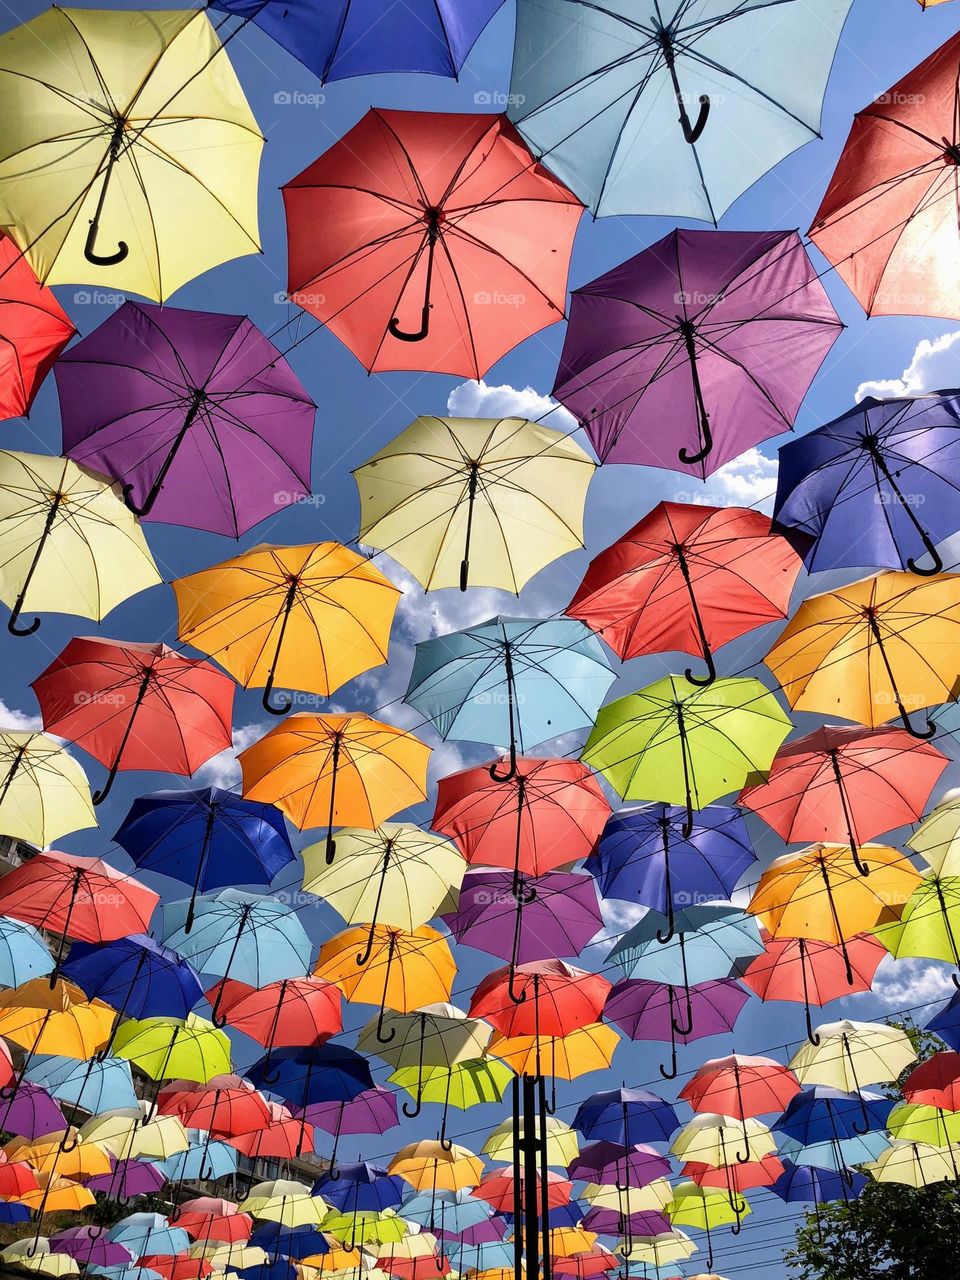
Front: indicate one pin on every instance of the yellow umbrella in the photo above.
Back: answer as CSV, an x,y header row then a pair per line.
x,y
308,617
396,875
332,770
68,544
912,1164
44,794
670,1246
287,1202
563,1143
717,1140
937,838
587,1048
654,1196
57,1020
391,967
881,647
429,1164
475,501
128,154
850,1055
435,1035
35,1254
236,1254
57,1195
129,1134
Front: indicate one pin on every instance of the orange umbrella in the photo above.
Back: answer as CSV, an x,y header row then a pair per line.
x,y
584,1049
429,1164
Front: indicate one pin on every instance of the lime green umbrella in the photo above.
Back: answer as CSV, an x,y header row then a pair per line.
x,y
174,1048
563,1143
704,1208
364,1227
687,744
916,1122
464,1084
937,839
929,926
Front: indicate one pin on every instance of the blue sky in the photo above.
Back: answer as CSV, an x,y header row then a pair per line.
x,y
357,414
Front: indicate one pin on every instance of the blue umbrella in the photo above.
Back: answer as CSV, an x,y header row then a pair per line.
x,y
23,953
626,1116
340,38
210,839
149,1234
202,1161
275,1269
890,471
125,1273
831,1153
822,1114
807,1182
289,1242
453,1211
250,937
520,681
643,856
11,1212
104,1085
492,1255
314,1074
360,1188
946,1023
561,1215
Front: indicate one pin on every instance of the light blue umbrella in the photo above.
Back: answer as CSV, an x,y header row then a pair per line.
x,y
490,1256
23,953
453,1211
98,1086
149,1235
125,1273
835,1153
520,681
214,1159
671,107
250,937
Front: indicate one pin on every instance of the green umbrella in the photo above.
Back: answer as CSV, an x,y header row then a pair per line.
x,y
686,744
929,927
465,1084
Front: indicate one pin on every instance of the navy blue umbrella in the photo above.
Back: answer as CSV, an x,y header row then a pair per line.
x,y
289,1242
626,1116
210,839
877,488
946,1023
360,1188
304,1076
818,1185
824,1114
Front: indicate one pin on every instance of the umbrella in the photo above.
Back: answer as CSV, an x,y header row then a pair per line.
x,y
428,1164
129,1179
603,111
929,925
889,469
106,1087
446,1211
310,617
811,971
607,1162
935,1082
821,893
643,856
136,706
696,1206
914,1121
224,1106
283,1136
335,769
685,744
825,1114
510,680
719,334
619,1115
30,1110
203,1160
67,542
562,1143
116,176
90,1246
34,329
937,838
291,1011
885,222
209,839
149,1233
687,577
845,781
912,1164
373,1110
427,36
395,875
716,1140
44,793
504,492
946,1023
878,648
808,1182
546,998
741,1086
174,1048
212,1218
23,953
851,1055
567,1057
463,248
306,1076
648,1010
289,1242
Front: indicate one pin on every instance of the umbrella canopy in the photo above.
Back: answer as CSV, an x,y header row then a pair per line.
x,y
888,468
291,1011
885,222
117,177
565,1057
23,953
625,1115
30,1111
603,111
929,925
741,1086
465,1084
475,501
57,1019
687,577
686,744
44,793
390,967
719,334
136,706
562,1143
465,245
547,998
34,329
174,1048
850,1055
873,650
308,617
198,415
429,36
937,838
912,1164
105,1085
141,978
67,542
429,1164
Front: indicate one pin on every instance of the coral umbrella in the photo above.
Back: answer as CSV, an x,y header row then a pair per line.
x,y
688,578
875,649
136,706
546,998
34,329
116,177
429,1164
935,1082
504,494
741,1086
648,1011
813,972
224,1106
336,769
308,617
44,793
842,781
212,1218
496,1188
718,334
429,241
291,1011
887,221
282,1137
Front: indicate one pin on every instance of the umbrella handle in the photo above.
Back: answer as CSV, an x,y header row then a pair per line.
x,y
382,1039
691,133
514,998
672,1073
285,705
364,955
127,495
511,771
418,336
12,621
703,681
331,846
955,980
89,247
393,328
418,1104
664,938
446,1144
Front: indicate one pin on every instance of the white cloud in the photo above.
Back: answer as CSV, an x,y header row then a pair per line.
x,y
223,770
747,481
11,718
903,984
935,365
478,400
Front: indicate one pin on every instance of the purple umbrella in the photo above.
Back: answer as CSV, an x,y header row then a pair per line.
x,y
90,1246
31,1113
556,915
696,349
487,1232
373,1111
610,1163
128,1179
608,1222
648,1011
198,415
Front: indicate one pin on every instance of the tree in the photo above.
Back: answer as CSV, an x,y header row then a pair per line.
x,y
890,1232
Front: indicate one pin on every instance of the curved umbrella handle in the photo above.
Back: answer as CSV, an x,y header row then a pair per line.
x,y
672,1073
271,1076
285,704
664,938
446,1144
102,259
708,679
127,495
381,1038
955,980
367,951
433,234
14,616
511,992
692,133
418,1103
511,771
419,335
706,447
935,568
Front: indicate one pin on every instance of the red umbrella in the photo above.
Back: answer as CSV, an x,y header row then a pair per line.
x,y
544,998
583,1266
417,1268
496,1188
689,578
136,706
936,1082
550,813
180,1267
427,241
294,1011
741,1086
211,1218
223,1107
34,329
734,1177
888,221
17,1180
846,783
79,898
807,971
283,1138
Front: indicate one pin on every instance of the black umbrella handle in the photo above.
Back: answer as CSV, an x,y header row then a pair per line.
x,y
331,847
90,244
472,482
812,1035
691,132
197,398
418,335
664,938
931,728
48,524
